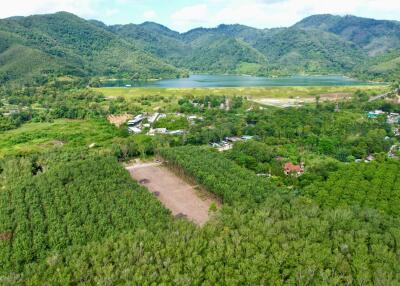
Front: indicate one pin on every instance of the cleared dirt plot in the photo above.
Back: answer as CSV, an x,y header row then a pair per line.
x,y
177,195
118,120
299,101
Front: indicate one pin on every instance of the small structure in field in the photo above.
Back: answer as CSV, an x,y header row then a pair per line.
x,y
134,130
292,169
376,114
152,119
233,139
393,118
247,137
176,132
369,158
154,131
135,121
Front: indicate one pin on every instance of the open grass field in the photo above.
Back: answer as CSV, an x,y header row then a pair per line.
x,y
260,92
63,133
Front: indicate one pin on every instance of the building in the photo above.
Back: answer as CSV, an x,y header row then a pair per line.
x,y
292,169
233,139
393,118
135,121
176,132
134,130
376,113
247,137
153,118
154,131
369,158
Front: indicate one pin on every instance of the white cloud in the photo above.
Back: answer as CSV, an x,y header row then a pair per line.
x,y
191,16
149,15
84,8
276,13
206,13
112,12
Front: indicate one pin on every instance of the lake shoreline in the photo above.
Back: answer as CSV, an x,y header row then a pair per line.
x,y
240,81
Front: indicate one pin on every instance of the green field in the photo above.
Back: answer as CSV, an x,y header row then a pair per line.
x,y
276,92
62,133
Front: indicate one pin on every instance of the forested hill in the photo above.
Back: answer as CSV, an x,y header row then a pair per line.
x,y
64,44
374,36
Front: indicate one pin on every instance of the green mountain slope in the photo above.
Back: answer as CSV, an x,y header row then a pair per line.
x,y
218,53
36,47
72,45
296,50
153,38
374,36
198,51
382,67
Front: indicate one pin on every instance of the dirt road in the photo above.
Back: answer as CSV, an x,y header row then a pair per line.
x,y
176,194
299,101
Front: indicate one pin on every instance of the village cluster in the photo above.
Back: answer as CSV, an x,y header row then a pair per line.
x,y
392,118
146,121
228,142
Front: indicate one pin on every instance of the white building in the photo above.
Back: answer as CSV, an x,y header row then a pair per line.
x,y
153,118
139,118
135,130
154,131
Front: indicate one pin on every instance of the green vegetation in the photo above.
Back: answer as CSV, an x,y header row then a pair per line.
x,y
46,208
217,174
342,135
71,215
64,44
284,241
63,133
172,123
254,92
37,49
374,185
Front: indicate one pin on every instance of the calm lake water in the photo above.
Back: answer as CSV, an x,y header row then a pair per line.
x,y
239,81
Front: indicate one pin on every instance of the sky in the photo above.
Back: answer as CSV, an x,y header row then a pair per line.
x,y
183,15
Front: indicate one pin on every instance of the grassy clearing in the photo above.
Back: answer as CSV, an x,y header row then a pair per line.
x,y
37,137
276,92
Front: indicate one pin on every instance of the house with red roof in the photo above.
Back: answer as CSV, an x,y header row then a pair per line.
x,y
292,169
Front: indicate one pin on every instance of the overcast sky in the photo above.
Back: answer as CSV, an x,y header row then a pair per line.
x,y
183,15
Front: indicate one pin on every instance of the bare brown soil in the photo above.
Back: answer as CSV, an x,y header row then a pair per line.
x,y
118,120
288,102
179,196
6,236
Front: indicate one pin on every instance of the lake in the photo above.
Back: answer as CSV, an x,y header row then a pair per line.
x,y
203,80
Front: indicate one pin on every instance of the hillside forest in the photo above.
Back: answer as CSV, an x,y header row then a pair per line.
x,y
39,48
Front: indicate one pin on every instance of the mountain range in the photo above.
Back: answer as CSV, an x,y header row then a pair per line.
x,y
37,47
